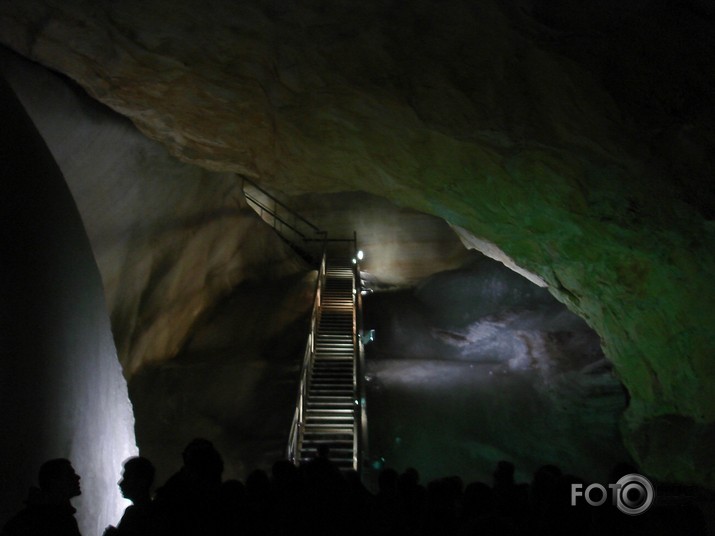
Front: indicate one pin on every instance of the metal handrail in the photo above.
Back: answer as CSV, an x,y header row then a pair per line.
x,y
360,440
308,357
279,202
284,220
275,215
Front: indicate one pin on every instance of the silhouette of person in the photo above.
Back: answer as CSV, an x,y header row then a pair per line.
x,y
326,494
189,502
48,511
136,482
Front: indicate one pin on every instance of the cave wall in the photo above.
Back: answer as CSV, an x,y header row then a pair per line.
x,y
62,391
487,115
400,246
170,239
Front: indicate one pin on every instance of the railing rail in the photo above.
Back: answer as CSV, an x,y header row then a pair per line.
x,y
293,227
361,438
278,203
308,357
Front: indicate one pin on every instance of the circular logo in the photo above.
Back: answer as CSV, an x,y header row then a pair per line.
x,y
634,494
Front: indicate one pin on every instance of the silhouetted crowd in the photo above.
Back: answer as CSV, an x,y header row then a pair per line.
x,y
319,499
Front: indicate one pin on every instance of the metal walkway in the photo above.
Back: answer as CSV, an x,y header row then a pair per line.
x,y
330,408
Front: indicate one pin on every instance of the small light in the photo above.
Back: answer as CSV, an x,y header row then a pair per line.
x,y
360,255
354,261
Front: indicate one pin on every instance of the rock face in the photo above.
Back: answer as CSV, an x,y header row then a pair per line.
x,y
235,382
170,239
401,246
583,158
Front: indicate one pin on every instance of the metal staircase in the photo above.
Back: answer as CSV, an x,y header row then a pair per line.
x,y
330,408
330,405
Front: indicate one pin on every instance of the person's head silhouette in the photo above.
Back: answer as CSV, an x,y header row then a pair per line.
x,y
58,480
137,479
203,462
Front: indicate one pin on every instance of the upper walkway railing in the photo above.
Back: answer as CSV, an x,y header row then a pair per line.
x,y
291,226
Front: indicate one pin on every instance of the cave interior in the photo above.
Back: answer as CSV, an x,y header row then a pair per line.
x,y
531,183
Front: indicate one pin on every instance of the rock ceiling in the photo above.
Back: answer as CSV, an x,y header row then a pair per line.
x,y
579,144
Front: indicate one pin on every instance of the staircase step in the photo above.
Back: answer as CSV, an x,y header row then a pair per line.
x,y
330,392
327,420
337,383
318,412
328,429
337,443
320,376
331,373
320,406
344,399
335,452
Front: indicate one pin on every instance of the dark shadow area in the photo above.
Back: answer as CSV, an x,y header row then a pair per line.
x,y
317,498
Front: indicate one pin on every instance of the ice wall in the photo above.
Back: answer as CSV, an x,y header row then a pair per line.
x,y
62,392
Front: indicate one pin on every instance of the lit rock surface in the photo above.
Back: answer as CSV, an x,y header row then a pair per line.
x,y
583,157
235,382
170,239
400,246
